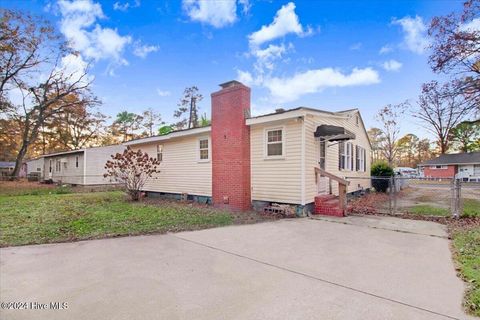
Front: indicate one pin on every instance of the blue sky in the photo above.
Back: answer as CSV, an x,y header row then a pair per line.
x,y
331,55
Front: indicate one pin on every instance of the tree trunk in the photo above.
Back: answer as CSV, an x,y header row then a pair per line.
x,y
18,161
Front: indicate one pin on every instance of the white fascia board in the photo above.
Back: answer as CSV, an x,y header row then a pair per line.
x,y
291,115
169,136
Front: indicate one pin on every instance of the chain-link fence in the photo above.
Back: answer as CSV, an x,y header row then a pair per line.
x,y
419,196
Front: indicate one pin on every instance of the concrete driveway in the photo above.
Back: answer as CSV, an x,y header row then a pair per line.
x,y
355,268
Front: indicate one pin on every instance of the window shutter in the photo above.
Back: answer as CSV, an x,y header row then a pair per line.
x,y
351,156
339,156
357,160
364,160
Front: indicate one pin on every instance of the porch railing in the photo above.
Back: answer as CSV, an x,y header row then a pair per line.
x,y
342,185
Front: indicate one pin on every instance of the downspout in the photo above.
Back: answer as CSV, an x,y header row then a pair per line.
x,y
303,160
84,167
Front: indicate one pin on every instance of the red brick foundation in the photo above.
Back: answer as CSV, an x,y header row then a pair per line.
x,y
230,138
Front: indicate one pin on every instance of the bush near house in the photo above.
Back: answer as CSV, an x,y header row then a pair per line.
x,y
381,169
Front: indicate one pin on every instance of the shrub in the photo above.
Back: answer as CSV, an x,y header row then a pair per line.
x,y
381,169
132,169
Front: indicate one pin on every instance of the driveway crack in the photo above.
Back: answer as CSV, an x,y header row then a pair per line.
x,y
316,278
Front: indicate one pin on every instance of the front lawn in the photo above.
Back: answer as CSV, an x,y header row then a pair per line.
x,y
53,217
466,245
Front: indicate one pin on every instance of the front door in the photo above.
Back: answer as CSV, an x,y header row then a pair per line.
x,y
322,182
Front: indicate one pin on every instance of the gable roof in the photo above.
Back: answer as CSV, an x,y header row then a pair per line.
x,y
454,158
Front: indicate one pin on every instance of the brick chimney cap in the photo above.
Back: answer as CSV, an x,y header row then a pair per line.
x,y
232,83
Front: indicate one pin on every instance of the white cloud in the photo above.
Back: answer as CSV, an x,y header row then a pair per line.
x,y
246,6
143,50
392,65
126,5
163,93
473,25
415,33
356,46
385,49
74,67
285,21
312,81
266,57
245,77
218,13
79,26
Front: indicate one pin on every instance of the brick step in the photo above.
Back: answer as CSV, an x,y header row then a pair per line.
x,y
336,212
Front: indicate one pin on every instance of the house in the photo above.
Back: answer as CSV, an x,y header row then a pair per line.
x,y
465,166
289,157
34,166
79,167
6,168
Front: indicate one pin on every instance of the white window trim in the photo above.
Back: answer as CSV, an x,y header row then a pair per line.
x,y
161,152
265,143
209,149
442,167
361,156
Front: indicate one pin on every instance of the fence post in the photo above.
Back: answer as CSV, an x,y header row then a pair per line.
x,y
395,186
390,188
455,201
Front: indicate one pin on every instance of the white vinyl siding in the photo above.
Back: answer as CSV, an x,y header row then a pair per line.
x,y
277,178
96,158
181,170
312,154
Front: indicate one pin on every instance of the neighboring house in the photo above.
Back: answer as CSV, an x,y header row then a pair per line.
x,y
465,166
6,168
241,160
34,166
82,167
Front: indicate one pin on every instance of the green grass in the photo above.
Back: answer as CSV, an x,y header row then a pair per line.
x,y
471,208
11,190
425,209
466,245
53,217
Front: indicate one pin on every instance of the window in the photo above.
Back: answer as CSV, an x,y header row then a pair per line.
x,y
275,143
341,155
58,166
50,167
76,162
159,152
322,154
345,156
438,167
203,147
360,159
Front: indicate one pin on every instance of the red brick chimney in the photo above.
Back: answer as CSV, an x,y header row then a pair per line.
x,y
231,147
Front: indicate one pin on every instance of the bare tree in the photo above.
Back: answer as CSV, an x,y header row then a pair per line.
x,y
456,50
188,103
150,120
388,117
30,58
439,111
132,169
45,101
